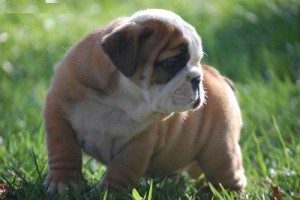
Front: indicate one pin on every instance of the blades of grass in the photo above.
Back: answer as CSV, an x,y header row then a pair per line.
x,y
18,174
246,148
150,190
248,166
41,134
285,149
247,142
105,197
136,195
215,191
260,157
228,194
36,164
265,137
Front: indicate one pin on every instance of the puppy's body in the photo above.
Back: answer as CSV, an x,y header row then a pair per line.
x,y
130,95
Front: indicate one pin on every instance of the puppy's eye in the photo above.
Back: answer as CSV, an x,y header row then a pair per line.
x,y
173,64
169,63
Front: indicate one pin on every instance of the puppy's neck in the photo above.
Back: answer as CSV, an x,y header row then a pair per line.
x,y
131,99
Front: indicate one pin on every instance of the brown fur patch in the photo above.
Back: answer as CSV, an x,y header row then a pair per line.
x,y
217,74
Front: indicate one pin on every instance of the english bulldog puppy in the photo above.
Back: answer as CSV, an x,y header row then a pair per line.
x,y
134,96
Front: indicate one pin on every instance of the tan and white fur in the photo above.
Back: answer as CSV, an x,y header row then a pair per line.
x,y
134,96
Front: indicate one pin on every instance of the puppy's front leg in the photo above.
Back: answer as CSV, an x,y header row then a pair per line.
x,y
130,164
64,156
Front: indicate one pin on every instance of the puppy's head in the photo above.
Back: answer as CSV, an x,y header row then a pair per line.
x,y
158,55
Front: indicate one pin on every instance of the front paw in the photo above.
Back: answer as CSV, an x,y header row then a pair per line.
x,y
60,180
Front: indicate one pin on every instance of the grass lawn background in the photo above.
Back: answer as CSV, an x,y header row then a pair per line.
x,y
255,43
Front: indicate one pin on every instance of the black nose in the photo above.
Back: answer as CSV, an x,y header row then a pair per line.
x,y
195,82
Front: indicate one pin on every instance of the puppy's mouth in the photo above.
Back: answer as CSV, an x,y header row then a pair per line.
x,y
196,103
196,99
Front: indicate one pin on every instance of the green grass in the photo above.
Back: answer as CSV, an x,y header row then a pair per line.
x,y
255,43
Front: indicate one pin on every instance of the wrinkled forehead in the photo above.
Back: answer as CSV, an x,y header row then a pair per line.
x,y
195,46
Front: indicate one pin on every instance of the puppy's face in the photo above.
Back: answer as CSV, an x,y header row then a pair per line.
x,y
159,55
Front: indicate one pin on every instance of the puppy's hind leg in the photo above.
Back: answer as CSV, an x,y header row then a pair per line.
x,y
222,164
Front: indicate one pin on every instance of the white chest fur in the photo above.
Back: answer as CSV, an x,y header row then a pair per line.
x,y
101,129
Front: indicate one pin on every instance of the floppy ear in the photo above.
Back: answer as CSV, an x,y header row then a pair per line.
x,y
122,46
